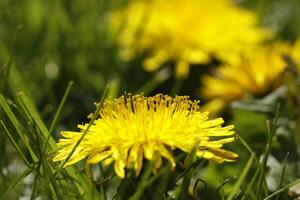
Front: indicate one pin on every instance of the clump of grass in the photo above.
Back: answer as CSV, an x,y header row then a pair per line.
x,y
33,143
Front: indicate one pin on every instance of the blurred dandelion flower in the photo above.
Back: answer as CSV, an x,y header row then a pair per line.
x,y
258,72
185,32
296,53
134,127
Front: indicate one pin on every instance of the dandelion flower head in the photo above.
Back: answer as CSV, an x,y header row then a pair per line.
x,y
258,72
134,127
185,32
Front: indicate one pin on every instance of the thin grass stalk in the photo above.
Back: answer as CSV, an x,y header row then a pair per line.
x,y
14,143
250,185
282,189
41,162
78,179
219,189
271,131
20,178
282,175
17,126
143,183
57,114
95,115
242,177
102,187
33,115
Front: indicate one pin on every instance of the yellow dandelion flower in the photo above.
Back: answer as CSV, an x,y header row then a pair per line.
x,y
257,73
185,32
133,127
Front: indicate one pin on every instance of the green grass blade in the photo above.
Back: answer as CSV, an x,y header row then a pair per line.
x,y
282,174
143,183
271,131
95,115
30,109
57,114
282,189
249,189
17,126
14,143
80,180
11,187
241,177
190,163
245,144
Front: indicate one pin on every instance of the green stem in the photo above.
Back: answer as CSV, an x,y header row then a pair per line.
x,y
11,187
241,177
56,116
12,140
282,189
282,174
95,115
89,173
144,182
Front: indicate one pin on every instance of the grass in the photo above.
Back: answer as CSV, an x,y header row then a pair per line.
x,y
39,163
